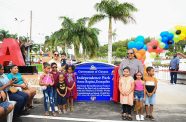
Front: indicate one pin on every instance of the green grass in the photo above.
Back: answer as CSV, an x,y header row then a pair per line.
x,y
39,67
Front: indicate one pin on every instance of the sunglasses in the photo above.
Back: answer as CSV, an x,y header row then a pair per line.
x,y
56,54
54,67
130,53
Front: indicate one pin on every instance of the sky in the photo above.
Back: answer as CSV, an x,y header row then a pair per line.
x,y
153,17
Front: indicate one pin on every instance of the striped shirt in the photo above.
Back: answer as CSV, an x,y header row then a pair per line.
x,y
135,66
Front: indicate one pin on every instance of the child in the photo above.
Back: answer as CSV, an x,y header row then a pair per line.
x,y
47,81
150,90
55,73
63,62
70,82
126,88
62,91
139,95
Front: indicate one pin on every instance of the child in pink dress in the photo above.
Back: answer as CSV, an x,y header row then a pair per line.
x,y
47,81
70,82
126,88
139,95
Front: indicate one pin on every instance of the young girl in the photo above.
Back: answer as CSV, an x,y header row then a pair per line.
x,y
139,95
61,93
150,92
47,81
126,88
55,73
70,82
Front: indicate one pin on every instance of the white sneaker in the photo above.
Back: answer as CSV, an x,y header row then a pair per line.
x,y
56,108
50,109
59,111
142,118
138,117
174,84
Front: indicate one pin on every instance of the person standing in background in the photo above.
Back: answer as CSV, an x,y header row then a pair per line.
x,y
174,67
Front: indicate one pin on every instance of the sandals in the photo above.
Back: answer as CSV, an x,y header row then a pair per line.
x,y
47,113
54,114
129,118
123,116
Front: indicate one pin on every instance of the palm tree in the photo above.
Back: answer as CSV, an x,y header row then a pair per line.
x,y
6,34
77,33
112,9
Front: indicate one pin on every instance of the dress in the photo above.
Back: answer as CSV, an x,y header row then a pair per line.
x,y
70,80
125,85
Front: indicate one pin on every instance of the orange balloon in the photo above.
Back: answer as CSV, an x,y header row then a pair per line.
x,y
142,52
139,56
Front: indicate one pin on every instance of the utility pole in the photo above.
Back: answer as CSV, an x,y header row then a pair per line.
x,y
30,38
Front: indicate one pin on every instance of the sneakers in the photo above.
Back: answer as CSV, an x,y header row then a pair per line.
x,y
138,117
64,111
56,108
142,118
151,118
59,111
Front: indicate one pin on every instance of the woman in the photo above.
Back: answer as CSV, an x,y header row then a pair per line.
x,y
21,84
132,62
56,59
20,97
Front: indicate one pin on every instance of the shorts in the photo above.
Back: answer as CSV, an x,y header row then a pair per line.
x,y
139,95
61,100
150,100
5,105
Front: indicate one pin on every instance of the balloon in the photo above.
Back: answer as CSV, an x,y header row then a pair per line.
x,y
135,50
145,47
164,33
154,42
182,37
170,42
142,52
162,45
140,39
139,45
176,39
166,46
164,39
150,49
131,44
154,47
152,55
178,32
138,55
170,36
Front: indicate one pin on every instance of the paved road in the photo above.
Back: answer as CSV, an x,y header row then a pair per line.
x,y
170,107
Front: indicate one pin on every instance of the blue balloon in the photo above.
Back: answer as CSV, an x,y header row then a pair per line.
x,y
166,46
165,39
145,47
131,44
164,33
170,36
140,39
139,45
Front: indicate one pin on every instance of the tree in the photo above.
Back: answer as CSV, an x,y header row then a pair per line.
x,y
77,33
112,9
6,34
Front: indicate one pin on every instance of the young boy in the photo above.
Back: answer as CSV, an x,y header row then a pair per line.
x,y
150,92
61,93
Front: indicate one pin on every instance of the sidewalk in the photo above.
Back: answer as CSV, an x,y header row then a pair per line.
x,y
170,107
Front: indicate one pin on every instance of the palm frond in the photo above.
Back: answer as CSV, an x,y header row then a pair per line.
x,y
96,18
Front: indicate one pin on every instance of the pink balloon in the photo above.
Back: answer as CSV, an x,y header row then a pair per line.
x,y
154,42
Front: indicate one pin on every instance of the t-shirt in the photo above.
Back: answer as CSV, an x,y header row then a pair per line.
x,y
19,80
174,62
139,85
4,80
56,77
150,83
61,87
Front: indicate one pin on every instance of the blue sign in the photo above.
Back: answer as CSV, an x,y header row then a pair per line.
x,y
94,81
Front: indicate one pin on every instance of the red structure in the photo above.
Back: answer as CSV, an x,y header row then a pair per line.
x,y
10,51
116,92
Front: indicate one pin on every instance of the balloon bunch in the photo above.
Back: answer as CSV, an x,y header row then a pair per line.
x,y
140,54
179,33
138,43
154,47
167,39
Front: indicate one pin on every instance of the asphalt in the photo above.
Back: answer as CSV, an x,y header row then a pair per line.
x,y
170,107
